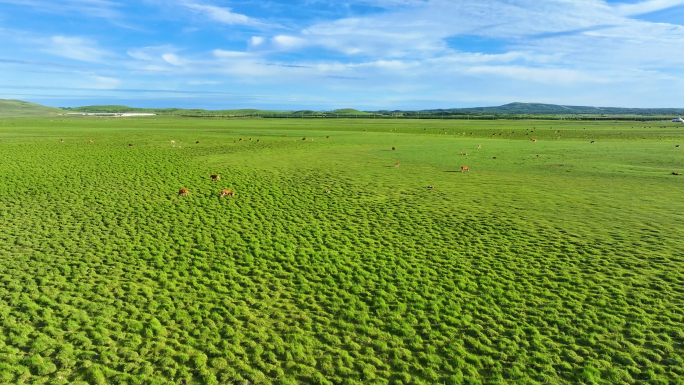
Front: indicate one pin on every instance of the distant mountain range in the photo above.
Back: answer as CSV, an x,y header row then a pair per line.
x,y
554,109
18,108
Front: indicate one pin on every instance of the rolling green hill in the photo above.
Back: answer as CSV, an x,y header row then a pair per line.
x,y
17,108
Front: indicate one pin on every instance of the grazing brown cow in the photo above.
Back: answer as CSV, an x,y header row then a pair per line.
x,y
537,155
130,144
215,177
464,169
495,157
287,134
303,138
431,187
183,192
394,149
241,139
258,140
90,141
533,140
197,142
328,136
675,173
396,165
230,193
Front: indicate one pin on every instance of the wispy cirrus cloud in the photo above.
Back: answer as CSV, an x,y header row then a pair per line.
x,y
223,15
76,48
91,8
646,7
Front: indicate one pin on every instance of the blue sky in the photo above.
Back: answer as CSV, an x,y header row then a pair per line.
x,y
366,54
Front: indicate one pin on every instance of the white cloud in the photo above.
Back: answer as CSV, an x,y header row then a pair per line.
x,y
172,59
222,14
256,41
646,7
229,54
77,48
102,82
288,42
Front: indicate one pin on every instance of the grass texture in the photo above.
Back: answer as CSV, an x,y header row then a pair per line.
x,y
562,268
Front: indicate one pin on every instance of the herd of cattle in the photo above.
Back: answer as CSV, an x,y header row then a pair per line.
x,y
230,193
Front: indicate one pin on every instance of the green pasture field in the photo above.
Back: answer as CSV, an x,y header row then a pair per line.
x,y
562,268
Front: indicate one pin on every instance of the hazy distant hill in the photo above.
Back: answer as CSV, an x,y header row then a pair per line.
x,y
17,108
553,109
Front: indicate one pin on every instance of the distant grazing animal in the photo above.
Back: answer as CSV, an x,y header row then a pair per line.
x,y
495,157
173,141
328,136
258,140
394,149
241,139
287,134
250,138
197,142
464,169
675,173
479,146
62,140
90,141
328,191
130,144
230,193
364,130
431,187
592,141
396,165
235,141
183,192
676,145
533,140
303,138
215,177
537,155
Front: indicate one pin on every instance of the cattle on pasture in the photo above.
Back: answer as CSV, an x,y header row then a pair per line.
x,y
130,144
183,192
197,142
396,165
394,149
431,187
215,177
464,169
90,141
229,193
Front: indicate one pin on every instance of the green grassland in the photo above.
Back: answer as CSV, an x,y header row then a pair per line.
x,y
562,268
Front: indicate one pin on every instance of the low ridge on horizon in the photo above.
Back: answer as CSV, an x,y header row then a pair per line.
x,y
19,108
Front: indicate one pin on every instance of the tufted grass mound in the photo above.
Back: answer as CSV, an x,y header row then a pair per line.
x,y
563,268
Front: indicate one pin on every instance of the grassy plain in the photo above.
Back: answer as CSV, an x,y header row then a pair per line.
x,y
564,268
